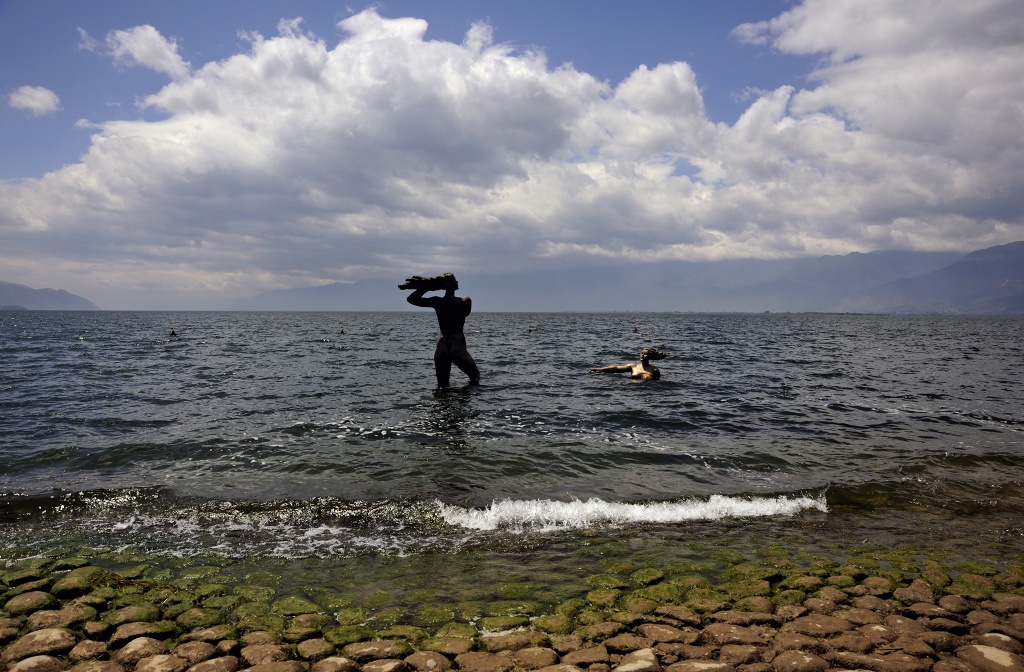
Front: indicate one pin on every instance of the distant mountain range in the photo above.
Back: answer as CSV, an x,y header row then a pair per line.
x,y
986,282
20,297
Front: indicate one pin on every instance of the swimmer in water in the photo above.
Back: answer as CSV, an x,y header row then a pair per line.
x,y
641,371
452,312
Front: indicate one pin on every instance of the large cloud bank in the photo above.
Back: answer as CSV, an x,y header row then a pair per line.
x,y
299,162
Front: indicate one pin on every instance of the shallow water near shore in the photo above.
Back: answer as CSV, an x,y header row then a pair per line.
x,y
309,451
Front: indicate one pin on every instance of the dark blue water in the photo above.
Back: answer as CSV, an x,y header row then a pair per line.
x,y
299,436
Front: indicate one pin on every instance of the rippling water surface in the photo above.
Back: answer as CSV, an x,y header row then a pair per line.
x,y
318,437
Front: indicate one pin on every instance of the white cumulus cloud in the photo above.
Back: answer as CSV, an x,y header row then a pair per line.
x,y
36,100
296,161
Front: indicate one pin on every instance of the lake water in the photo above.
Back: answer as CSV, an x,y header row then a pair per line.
x,y
314,449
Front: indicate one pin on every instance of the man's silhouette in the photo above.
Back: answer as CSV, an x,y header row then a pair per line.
x,y
451,317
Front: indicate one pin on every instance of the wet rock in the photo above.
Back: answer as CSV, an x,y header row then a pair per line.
x,y
904,626
726,633
37,664
130,631
790,612
794,641
315,649
940,640
739,654
852,641
482,661
97,666
666,633
164,662
200,617
139,648
598,632
385,665
990,659
878,634
69,616
681,614
514,641
283,666
625,643
46,642
893,662
77,582
261,654
874,604
642,660
818,625
746,618
928,610
135,613
587,657
913,646
955,604
219,664
449,646
97,629
998,640
918,591
564,668
798,661
195,651
29,602
877,586
363,652
700,666
533,658
211,635
339,664
87,650
858,616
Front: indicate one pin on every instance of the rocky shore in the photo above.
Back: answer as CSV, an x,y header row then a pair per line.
x,y
70,615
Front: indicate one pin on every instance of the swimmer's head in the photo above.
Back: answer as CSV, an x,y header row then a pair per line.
x,y
652,353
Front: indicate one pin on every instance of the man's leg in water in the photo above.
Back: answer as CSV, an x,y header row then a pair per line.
x,y
467,365
442,364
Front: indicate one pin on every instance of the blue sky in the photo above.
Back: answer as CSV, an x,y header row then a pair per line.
x,y
157,154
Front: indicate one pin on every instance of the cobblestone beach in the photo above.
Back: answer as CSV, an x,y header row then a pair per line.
x,y
70,615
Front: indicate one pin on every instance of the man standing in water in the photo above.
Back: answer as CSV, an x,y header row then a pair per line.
x,y
451,317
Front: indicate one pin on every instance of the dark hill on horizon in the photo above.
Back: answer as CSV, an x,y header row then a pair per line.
x,y
14,296
986,282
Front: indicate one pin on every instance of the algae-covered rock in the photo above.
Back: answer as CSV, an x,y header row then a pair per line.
x,y
348,634
351,616
77,582
67,564
29,602
647,576
606,581
973,586
603,597
294,605
510,608
433,614
499,623
407,632
142,612
516,591
462,630
556,624
200,617
255,593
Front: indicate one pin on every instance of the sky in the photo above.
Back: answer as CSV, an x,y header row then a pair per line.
x,y
160,155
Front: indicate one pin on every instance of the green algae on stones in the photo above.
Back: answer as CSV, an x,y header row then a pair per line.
x,y
294,605
200,617
350,616
456,630
603,597
557,624
499,623
516,591
434,614
407,632
647,576
143,612
255,593
348,634
973,586
606,581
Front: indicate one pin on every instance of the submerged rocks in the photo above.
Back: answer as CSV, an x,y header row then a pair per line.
x,y
763,619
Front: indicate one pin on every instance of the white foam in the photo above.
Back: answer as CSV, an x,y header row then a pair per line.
x,y
547,514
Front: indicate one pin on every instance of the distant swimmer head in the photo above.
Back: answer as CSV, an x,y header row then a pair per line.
x,y
652,353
